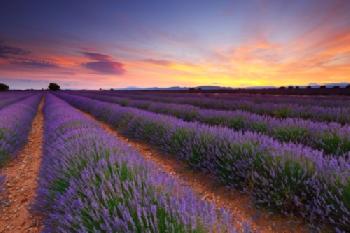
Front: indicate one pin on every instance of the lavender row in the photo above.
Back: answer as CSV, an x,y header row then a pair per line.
x,y
324,101
285,177
12,97
315,113
332,138
15,124
91,182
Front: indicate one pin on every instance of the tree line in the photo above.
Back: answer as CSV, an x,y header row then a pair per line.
x,y
51,87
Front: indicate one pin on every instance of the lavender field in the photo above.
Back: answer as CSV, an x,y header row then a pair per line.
x,y
287,157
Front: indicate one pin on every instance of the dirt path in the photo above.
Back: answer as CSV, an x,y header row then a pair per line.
x,y
207,188
21,183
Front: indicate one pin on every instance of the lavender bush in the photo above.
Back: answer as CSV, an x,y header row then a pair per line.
x,y
8,98
333,138
324,101
2,183
315,112
91,182
285,177
15,124
319,100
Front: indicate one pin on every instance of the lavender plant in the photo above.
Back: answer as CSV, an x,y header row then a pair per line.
x,y
2,182
12,97
91,182
333,138
315,113
15,124
319,100
285,177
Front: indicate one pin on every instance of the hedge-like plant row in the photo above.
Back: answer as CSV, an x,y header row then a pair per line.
x,y
285,177
315,113
91,182
11,98
333,138
15,124
309,100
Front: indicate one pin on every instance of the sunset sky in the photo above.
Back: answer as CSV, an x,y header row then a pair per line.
x,y
122,43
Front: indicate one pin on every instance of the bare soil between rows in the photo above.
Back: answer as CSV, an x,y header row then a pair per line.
x,y
21,183
207,188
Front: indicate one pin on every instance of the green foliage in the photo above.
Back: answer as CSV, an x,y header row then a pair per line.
x,y
69,125
123,102
89,221
346,194
235,167
4,87
237,123
3,157
293,134
166,222
258,127
54,87
122,122
289,187
333,143
76,163
150,129
179,139
59,185
142,105
282,112
2,134
214,120
104,113
200,148
187,116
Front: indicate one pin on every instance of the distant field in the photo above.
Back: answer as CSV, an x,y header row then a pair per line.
x,y
154,161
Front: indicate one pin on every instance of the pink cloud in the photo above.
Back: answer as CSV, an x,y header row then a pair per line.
x,y
103,63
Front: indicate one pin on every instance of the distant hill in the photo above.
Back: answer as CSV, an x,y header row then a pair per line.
x,y
341,85
176,88
220,88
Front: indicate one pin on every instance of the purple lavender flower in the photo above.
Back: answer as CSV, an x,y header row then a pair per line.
x,y
91,182
287,177
333,138
15,124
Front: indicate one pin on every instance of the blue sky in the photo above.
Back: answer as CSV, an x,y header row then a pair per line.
x,y
166,43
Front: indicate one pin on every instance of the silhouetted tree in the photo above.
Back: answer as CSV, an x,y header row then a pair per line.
x,y
54,87
4,87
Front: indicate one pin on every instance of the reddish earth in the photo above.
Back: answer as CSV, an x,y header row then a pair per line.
x,y
205,186
21,183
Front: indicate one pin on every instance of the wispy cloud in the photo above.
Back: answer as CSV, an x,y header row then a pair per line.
x,y
23,58
158,62
36,64
103,64
7,51
97,56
